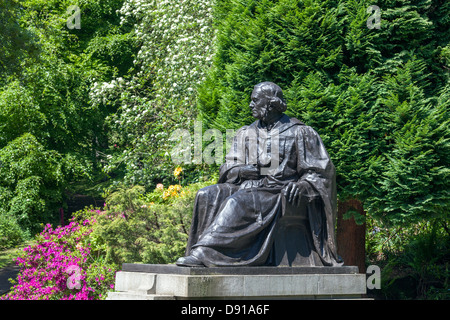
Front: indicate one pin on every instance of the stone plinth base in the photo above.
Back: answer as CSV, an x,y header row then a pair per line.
x,y
156,282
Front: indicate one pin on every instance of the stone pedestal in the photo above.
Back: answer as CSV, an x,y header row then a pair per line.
x,y
170,282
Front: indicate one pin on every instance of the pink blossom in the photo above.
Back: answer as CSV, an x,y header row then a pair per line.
x,y
44,266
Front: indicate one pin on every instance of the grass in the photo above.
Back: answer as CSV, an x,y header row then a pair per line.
x,y
7,256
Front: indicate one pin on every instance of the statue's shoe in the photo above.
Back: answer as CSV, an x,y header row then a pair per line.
x,y
189,261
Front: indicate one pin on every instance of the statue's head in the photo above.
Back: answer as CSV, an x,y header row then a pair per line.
x,y
267,101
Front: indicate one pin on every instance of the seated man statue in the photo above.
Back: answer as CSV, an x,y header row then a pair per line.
x,y
277,167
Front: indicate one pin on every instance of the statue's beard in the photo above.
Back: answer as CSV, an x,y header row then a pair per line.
x,y
264,115
268,115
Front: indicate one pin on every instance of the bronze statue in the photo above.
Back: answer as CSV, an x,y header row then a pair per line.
x,y
265,214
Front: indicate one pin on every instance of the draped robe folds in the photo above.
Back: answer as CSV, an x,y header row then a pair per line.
x,y
234,221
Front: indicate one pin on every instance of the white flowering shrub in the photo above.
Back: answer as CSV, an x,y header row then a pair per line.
x,y
176,39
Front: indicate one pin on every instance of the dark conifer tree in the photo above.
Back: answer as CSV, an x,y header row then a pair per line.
x,y
377,97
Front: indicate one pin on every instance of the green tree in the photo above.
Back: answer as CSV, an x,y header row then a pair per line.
x,y
377,97
31,179
45,101
175,49
16,41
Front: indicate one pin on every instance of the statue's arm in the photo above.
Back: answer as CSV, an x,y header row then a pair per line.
x,y
235,170
314,166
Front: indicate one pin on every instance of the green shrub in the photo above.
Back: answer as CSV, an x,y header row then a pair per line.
x,y
414,259
10,232
61,257
30,181
147,228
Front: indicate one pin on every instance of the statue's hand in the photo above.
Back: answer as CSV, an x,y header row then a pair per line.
x,y
249,172
293,192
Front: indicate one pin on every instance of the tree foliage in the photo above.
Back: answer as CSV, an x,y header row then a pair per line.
x,y
377,97
16,40
49,131
104,99
175,50
30,180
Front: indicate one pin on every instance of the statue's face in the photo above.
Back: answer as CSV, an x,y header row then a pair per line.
x,y
259,104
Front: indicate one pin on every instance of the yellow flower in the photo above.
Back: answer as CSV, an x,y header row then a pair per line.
x,y
177,171
172,191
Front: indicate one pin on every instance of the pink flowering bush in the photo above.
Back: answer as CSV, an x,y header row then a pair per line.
x,y
65,263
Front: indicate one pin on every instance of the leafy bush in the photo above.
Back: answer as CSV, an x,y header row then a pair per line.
x,y
147,228
64,264
10,232
31,178
414,260
79,261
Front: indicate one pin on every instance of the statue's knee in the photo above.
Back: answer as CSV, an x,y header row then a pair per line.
x,y
206,191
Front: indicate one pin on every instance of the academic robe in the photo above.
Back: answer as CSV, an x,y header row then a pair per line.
x,y
234,221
